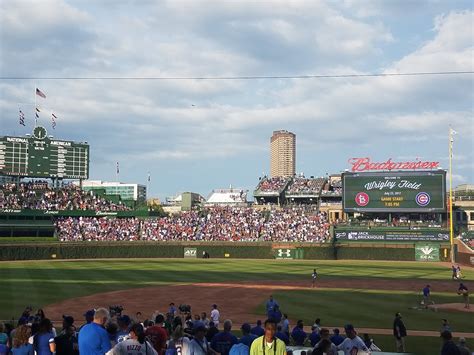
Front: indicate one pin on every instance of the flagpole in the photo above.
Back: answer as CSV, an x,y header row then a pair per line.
x,y
36,112
451,233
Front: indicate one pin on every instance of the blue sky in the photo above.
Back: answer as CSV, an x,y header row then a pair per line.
x,y
198,135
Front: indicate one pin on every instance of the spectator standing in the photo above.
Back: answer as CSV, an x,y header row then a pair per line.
x,y
282,335
298,334
43,341
21,346
135,344
157,335
399,332
463,349
199,345
268,343
449,347
211,331
352,344
258,330
179,343
89,317
285,325
3,335
124,328
314,337
324,334
247,338
93,338
222,342
275,314
205,320
336,338
215,315
66,342
317,325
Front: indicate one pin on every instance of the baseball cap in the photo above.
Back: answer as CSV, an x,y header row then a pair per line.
x,y
68,319
199,328
197,324
89,313
125,319
246,327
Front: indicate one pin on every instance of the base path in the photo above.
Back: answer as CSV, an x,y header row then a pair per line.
x,y
236,301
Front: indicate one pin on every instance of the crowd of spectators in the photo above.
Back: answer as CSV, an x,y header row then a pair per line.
x,y
237,224
296,225
40,196
274,184
300,185
333,188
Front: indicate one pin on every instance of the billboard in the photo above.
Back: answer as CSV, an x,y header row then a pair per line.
x,y
394,192
392,236
428,252
41,156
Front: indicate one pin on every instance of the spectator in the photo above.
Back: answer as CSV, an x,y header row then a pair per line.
x,y
68,321
89,317
93,338
211,331
285,325
199,345
275,314
317,325
282,335
21,346
448,347
123,323
3,335
314,337
43,342
323,348
352,342
157,335
247,338
66,343
399,332
222,342
215,315
298,334
445,326
324,334
268,343
336,339
205,320
135,344
463,349
369,343
239,349
178,344
39,316
258,329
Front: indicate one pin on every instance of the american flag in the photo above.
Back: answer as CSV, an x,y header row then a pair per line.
x,y
22,117
40,93
118,170
53,122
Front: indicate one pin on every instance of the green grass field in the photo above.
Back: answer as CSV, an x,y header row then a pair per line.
x,y
39,283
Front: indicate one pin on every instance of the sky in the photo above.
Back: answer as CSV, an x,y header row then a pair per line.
x,y
199,135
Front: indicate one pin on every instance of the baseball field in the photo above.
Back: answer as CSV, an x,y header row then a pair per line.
x,y
367,294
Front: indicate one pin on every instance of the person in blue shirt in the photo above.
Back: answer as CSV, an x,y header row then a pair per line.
x,y
298,334
93,338
247,338
275,314
43,341
426,295
20,341
314,337
336,339
222,342
258,329
282,335
124,328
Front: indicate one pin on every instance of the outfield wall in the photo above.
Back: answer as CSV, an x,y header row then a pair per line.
x,y
97,250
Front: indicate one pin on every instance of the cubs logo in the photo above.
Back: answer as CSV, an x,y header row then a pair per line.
x,y
362,199
422,199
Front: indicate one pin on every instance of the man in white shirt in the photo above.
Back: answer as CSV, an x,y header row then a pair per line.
x,y
352,344
199,345
215,314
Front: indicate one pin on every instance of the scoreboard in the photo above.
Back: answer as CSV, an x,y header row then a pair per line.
x,y
421,191
41,156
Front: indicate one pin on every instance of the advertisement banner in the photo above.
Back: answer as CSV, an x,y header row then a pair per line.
x,y
190,252
427,252
392,236
394,192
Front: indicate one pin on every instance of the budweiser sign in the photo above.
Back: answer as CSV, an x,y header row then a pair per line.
x,y
365,164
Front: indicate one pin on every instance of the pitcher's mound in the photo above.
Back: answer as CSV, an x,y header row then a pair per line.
x,y
458,307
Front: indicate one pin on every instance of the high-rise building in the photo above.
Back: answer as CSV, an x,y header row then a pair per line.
x,y
282,153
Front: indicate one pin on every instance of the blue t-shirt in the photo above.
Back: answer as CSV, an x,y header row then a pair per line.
x,y
239,349
26,349
337,339
275,315
41,343
93,340
223,341
283,337
299,336
314,338
258,331
248,339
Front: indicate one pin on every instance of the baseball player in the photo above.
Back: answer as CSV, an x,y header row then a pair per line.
x,y
462,290
314,276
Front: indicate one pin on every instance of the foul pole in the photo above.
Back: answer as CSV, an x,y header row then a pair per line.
x,y
451,232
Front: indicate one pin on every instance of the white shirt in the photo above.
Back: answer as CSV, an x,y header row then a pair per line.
x,y
215,316
181,345
195,347
349,345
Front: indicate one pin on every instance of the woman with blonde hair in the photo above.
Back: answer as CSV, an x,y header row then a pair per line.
x,y
20,341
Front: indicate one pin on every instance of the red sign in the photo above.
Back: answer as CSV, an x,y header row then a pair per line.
x,y
362,199
365,164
